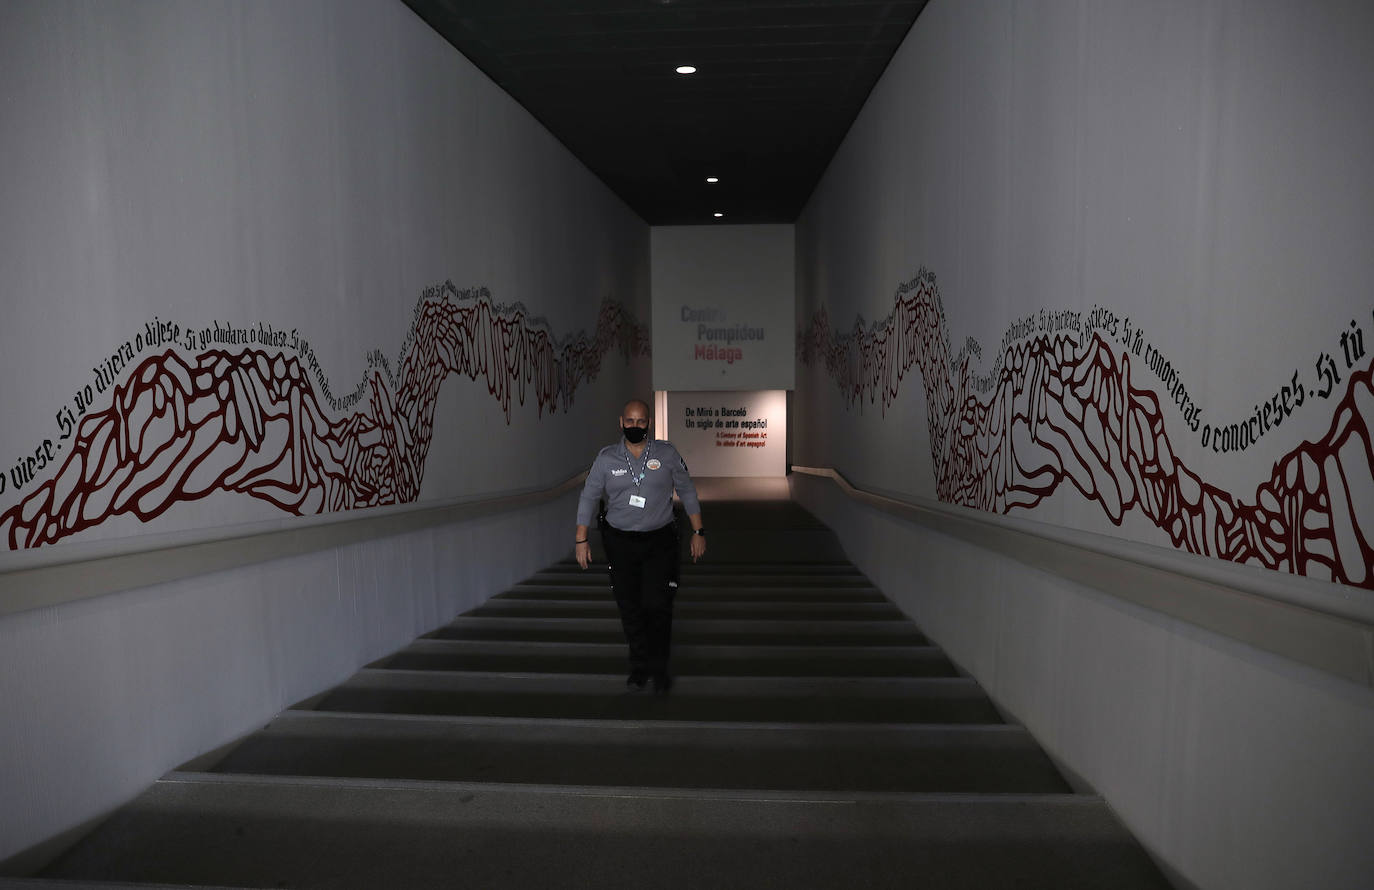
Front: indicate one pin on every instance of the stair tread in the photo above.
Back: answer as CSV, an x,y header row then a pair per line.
x,y
690,630
315,835
814,738
605,607
688,661
948,759
916,650
756,699
598,576
707,568
694,594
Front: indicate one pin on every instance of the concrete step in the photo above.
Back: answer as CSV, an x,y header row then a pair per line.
x,y
748,514
64,884
690,592
814,739
764,545
688,660
361,834
605,607
688,631
797,757
840,570
799,548
597,575
721,699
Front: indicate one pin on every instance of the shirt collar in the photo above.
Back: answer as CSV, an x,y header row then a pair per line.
x,y
625,448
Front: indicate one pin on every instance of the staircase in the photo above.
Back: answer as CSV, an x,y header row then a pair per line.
x,y
814,739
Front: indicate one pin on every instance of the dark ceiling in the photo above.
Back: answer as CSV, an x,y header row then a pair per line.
x,y
778,83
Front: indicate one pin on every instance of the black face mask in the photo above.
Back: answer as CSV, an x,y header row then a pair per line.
x,y
634,434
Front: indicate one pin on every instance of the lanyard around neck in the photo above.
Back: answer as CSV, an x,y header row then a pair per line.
x,y
638,478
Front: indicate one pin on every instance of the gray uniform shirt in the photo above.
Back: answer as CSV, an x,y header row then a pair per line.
x,y
654,475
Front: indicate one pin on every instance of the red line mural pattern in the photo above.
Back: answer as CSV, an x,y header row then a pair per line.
x,y
183,428
1062,412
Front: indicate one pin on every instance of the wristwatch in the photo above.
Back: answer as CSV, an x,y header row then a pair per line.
x,y
699,531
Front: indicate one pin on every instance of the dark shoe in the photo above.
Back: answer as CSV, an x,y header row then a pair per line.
x,y
662,683
635,682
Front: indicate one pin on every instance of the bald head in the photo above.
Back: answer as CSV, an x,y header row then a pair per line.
x,y
634,416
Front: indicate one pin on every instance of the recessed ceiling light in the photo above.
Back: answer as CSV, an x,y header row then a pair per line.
x,y
717,215
713,179
686,69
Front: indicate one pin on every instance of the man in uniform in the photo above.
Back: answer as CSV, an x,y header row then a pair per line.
x,y
637,476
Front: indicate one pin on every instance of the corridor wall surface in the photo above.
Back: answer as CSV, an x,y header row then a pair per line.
x,y
1105,267
267,259
266,265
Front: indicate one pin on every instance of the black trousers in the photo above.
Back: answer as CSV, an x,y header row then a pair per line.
x,y
644,568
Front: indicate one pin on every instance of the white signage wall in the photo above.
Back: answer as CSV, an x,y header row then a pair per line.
x,y
723,307
729,433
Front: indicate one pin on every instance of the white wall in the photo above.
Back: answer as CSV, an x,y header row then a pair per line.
x,y
310,166
724,301
1235,768
102,696
1026,185
1191,173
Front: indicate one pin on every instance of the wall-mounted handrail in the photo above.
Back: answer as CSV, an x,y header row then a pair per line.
x,y
45,577
1320,623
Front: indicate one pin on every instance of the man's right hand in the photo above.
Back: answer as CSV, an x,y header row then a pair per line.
x,y
584,554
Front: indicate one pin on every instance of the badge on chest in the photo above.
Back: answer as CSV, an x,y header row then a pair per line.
x,y
636,501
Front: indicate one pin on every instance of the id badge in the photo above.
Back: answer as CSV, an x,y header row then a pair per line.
x,y
637,501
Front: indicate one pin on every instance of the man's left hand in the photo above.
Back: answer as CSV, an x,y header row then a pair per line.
x,y
698,547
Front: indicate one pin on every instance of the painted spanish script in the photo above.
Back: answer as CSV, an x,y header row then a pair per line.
x,y
209,410
1075,400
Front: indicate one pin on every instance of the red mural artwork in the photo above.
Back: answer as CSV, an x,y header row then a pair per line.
x,y
182,428
1064,410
